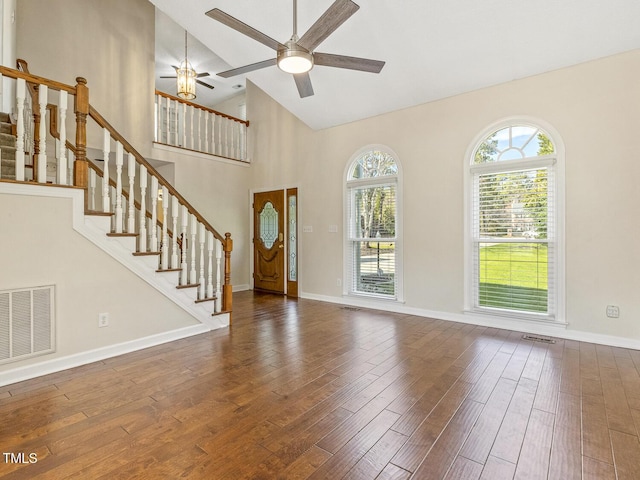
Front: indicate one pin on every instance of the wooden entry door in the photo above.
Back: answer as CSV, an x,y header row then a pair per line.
x,y
268,241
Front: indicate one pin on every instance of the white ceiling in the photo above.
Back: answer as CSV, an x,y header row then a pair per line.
x,y
433,48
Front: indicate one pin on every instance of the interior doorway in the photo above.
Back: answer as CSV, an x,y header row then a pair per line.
x,y
275,241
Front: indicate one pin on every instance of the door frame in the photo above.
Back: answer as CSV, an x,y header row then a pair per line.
x,y
286,232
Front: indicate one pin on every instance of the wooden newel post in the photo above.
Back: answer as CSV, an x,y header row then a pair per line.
x,y
81,166
227,289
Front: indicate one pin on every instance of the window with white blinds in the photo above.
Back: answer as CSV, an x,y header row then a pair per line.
x,y
371,226
513,218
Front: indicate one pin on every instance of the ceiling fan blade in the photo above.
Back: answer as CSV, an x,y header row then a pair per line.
x,y
247,68
173,76
199,82
329,21
203,74
303,82
175,68
243,28
352,63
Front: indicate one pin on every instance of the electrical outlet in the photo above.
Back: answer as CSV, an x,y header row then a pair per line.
x,y
613,311
103,320
339,282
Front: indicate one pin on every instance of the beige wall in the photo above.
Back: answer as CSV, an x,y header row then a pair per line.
x,y
40,247
110,43
594,108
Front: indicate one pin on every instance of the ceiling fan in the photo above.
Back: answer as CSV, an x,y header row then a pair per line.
x,y
187,77
297,55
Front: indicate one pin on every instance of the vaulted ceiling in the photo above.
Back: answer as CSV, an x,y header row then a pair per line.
x,y
433,48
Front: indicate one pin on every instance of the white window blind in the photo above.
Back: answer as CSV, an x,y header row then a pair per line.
x,y
514,239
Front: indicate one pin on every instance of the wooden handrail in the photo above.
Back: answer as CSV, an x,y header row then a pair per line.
x,y
10,72
100,120
206,109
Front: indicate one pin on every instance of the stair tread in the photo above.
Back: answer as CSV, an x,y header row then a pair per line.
x,y
123,234
143,254
206,299
98,213
189,285
161,270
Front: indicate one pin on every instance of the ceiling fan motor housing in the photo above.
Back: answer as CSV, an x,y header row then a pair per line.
x,y
294,58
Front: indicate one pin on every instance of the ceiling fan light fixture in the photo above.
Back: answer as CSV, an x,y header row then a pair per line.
x,y
186,81
295,59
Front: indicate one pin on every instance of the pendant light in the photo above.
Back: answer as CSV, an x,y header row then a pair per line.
x,y
186,76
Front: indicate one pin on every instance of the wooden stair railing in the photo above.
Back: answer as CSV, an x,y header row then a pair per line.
x,y
198,249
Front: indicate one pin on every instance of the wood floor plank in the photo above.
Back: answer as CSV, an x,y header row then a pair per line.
x,y
444,451
514,426
626,453
595,470
498,469
484,432
464,469
388,396
536,448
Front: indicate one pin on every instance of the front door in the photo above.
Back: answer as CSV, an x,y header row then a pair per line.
x,y
268,241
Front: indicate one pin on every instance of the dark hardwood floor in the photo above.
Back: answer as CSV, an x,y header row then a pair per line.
x,y
304,389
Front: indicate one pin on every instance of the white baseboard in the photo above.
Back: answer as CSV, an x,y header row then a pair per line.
x,y
46,367
241,288
519,325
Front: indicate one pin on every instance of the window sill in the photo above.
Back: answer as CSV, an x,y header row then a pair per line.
x,y
534,318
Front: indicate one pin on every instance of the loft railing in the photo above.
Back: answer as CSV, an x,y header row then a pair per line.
x,y
190,244
187,125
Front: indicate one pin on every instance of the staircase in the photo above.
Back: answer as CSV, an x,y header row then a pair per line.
x,y
7,148
120,203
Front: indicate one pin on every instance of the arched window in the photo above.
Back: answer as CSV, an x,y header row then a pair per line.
x,y
515,219
372,225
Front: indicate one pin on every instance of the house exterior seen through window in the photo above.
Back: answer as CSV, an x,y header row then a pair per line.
x,y
514,222
372,230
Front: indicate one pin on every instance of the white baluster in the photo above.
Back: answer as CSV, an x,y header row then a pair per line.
x,y
167,118
213,133
21,91
114,201
206,132
71,161
183,260
157,133
174,223
210,246
164,260
218,276
92,189
43,92
192,249
119,164
154,215
199,130
184,125
142,234
106,149
131,171
243,142
220,122
201,237
192,129
62,153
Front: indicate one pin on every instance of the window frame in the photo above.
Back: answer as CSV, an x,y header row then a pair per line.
x,y
471,169
349,186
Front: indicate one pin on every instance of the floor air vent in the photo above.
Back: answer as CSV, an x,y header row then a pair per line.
x,y
537,338
352,309
26,323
